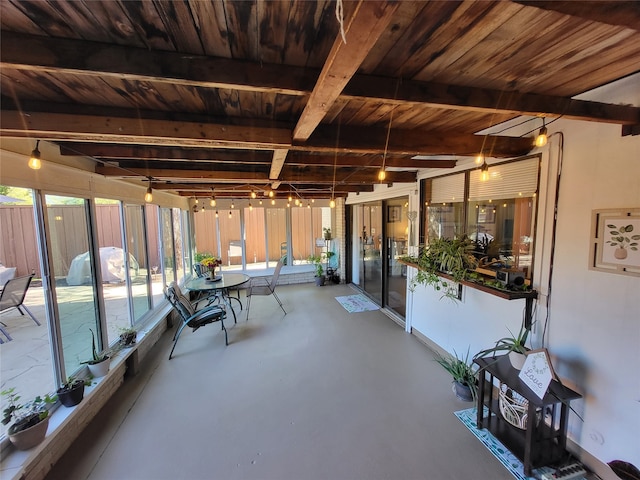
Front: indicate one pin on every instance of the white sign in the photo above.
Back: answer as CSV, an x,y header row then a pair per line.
x,y
536,372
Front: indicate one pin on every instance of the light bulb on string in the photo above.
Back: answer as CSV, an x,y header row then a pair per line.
x,y
484,172
542,138
216,213
250,207
479,159
34,160
382,175
273,202
260,202
332,203
253,194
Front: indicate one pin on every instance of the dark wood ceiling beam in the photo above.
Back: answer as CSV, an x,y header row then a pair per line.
x,y
79,57
383,89
279,156
366,161
85,128
110,151
362,30
288,175
203,190
623,13
35,53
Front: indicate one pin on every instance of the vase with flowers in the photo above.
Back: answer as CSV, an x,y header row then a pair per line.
x,y
210,264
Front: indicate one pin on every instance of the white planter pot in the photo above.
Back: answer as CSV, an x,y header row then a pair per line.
x,y
99,369
32,436
517,360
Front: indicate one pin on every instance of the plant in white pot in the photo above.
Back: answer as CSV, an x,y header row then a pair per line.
x,y
465,382
514,346
317,262
99,363
30,420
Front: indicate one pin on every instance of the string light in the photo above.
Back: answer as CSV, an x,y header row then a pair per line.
x,y
260,202
542,138
332,203
484,172
271,193
253,194
216,213
479,159
232,204
250,207
148,197
34,160
213,199
273,202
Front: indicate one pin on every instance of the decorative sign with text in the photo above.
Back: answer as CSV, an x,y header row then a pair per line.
x,y
536,372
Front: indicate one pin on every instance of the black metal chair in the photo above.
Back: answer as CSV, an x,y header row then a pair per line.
x,y
190,316
12,296
264,290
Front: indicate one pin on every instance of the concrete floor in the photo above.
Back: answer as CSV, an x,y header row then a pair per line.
x,y
316,394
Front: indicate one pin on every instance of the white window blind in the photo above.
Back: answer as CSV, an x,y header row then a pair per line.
x,y
448,189
507,180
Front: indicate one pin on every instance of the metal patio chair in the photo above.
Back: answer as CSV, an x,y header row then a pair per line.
x,y
190,316
12,296
265,290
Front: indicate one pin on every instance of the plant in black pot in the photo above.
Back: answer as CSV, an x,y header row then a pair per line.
x,y
464,375
99,363
30,420
71,392
128,336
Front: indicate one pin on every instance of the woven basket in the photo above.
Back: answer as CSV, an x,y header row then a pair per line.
x,y
513,406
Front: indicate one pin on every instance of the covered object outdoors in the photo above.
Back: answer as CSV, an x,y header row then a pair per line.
x,y
111,265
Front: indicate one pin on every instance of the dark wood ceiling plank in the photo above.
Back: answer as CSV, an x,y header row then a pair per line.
x,y
362,29
272,28
47,17
624,13
302,31
179,24
242,28
209,21
19,84
14,19
226,189
146,20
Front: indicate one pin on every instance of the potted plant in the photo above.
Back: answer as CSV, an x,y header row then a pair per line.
x,y
210,264
443,255
317,262
327,233
30,420
463,373
99,363
514,346
128,336
71,392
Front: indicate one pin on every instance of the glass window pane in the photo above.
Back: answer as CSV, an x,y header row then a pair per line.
x,y
230,239
254,237
137,248
73,273
155,256
179,243
168,257
302,233
25,361
277,235
206,232
113,269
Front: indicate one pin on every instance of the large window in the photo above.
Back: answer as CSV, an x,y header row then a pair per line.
x,y
497,214
139,262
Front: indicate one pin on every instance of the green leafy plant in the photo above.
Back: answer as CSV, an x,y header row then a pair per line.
x,y
317,262
24,415
461,369
443,255
96,356
128,335
513,343
198,257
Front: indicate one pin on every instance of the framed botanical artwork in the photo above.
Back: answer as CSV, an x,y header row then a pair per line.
x,y
615,241
394,212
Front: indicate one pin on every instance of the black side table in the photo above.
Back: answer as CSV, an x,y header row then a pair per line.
x,y
544,440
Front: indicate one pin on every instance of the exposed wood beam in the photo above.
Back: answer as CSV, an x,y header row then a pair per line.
x,y
362,30
115,151
366,161
58,56
85,128
79,57
289,174
204,189
383,89
624,13
279,157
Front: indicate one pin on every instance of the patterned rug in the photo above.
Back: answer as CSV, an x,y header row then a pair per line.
x,y
502,453
356,303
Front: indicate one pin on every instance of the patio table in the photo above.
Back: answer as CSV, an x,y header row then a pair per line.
x,y
219,288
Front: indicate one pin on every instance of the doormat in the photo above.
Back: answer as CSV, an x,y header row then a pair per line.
x,y
502,453
357,303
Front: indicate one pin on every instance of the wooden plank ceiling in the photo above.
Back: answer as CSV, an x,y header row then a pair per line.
x,y
242,96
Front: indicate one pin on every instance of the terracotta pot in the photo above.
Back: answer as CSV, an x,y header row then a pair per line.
x,y
99,369
30,437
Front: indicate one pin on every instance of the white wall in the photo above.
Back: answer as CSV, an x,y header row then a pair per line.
x,y
594,317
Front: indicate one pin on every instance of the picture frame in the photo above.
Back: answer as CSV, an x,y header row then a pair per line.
x,y
615,241
394,213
